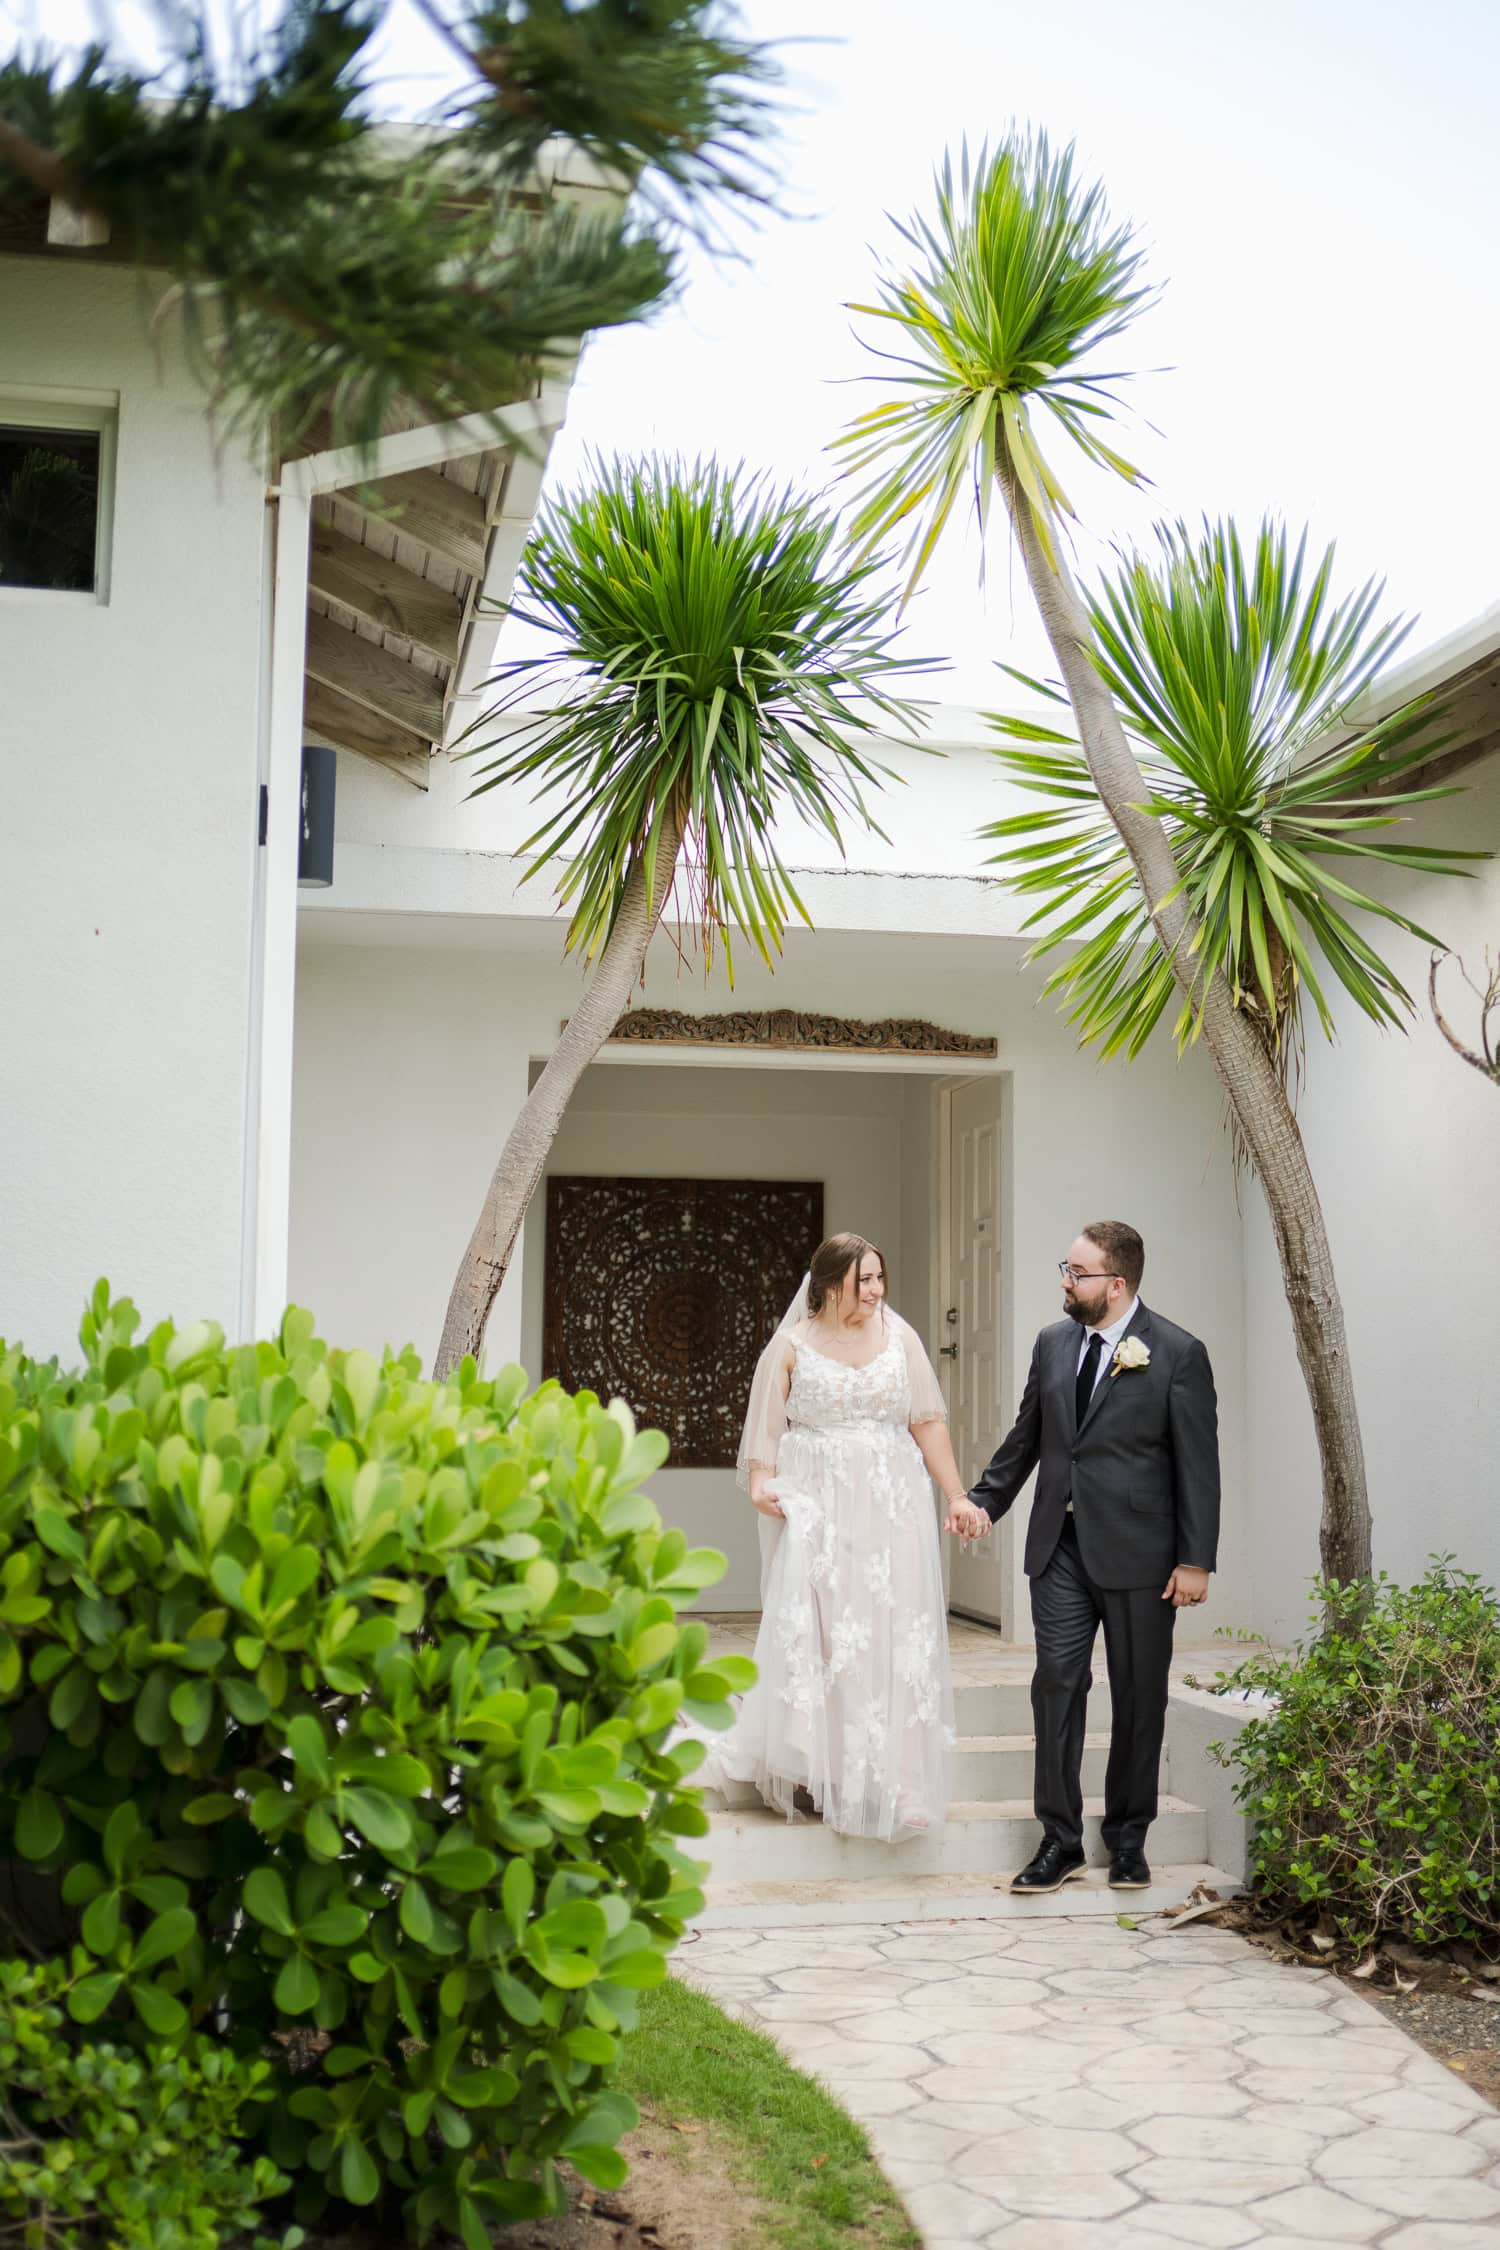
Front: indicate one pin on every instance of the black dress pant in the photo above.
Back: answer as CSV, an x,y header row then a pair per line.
x,y
1067,1609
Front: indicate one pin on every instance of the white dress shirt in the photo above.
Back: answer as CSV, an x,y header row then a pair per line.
x,y
1111,1336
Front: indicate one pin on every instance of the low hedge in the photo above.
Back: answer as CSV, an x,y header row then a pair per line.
x,y
336,1710
1372,1783
129,2152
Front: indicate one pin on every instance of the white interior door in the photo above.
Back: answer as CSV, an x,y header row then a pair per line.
x,y
970,1339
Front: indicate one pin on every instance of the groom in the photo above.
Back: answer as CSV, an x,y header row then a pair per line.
x,y
1119,1411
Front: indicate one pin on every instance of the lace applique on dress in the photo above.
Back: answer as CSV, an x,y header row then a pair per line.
x,y
854,1701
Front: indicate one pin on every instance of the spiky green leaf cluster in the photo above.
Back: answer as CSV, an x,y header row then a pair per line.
x,y
325,263
714,652
1019,279
1229,669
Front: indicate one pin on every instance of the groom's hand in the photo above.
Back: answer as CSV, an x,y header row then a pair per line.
x,y
968,1521
1186,1587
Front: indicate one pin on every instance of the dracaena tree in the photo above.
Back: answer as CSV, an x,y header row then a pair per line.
x,y
1229,669
717,663
319,263
996,311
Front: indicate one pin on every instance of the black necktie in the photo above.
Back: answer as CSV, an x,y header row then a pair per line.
x,y
1086,1373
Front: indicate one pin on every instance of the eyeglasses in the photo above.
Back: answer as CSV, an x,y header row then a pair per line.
x,y
1076,1273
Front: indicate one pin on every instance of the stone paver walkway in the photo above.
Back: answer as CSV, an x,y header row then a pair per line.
x,y
1071,2085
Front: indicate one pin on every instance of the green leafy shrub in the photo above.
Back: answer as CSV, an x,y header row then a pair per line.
x,y
110,2150
338,1706
1373,1783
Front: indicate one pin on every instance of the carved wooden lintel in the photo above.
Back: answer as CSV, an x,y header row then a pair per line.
x,y
782,1028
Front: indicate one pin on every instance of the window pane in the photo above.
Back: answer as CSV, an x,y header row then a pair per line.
x,y
49,508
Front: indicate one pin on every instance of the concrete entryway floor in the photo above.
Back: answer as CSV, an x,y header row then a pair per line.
x,y
1071,2085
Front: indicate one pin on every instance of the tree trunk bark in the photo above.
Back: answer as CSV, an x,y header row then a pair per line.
x,y
523,1159
1251,1086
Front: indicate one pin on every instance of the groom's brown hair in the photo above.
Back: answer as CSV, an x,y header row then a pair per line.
x,y
1121,1246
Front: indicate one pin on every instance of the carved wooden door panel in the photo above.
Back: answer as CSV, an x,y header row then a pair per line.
x,y
665,1292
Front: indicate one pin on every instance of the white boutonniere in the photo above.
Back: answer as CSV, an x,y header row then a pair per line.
x,y
1131,1352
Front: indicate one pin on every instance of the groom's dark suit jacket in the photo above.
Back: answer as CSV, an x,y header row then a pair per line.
x,y
1142,1470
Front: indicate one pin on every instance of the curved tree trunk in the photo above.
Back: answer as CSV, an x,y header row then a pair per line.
x,y
603,1001
1251,1086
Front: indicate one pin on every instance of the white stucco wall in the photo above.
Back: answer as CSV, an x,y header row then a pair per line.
x,y
127,848
412,1057
1405,1145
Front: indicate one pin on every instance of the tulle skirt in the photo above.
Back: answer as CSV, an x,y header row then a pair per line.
x,y
854,1700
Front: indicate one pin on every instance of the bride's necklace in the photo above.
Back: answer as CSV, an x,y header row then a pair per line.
x,y
836,1333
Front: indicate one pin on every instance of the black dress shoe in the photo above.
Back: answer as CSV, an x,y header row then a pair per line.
x,y
1053,1866
1128,1870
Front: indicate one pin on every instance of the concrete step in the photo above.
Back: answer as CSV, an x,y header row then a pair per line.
x,y
982,1839
1004,1707
1003,1765
934,1898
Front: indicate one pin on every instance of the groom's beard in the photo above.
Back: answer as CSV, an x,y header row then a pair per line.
x,y
1087,1316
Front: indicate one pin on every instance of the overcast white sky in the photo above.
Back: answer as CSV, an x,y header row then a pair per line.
x,y
1318,185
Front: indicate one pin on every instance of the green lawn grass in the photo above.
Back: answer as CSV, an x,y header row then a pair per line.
x,y
800,2155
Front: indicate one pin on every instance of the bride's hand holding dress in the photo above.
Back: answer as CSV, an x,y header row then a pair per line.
x,y
854,1701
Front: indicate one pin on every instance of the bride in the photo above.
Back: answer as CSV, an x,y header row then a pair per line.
x,y
852,1712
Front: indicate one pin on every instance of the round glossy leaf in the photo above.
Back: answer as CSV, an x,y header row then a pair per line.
x,y
39,1825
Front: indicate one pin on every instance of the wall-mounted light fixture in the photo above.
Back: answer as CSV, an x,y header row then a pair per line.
x,y
315,836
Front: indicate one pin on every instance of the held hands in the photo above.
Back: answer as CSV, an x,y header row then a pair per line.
x,y
1186,1587
964,1518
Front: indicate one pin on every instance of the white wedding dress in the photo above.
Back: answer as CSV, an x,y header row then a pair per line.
x,y
854,1700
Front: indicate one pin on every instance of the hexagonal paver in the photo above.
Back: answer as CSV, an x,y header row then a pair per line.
x,y
1169,2179
1390,2152
1228,2140
1010,2075
946,2208
1327,2084
1317,2211
841,1980
1450,2109
1323,2118
1085,2195
1203,2224
1151,2058
820,2007
1441,2234
1471,2201
1056,2152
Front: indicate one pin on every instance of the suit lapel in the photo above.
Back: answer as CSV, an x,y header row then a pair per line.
x,y
1139,1324
1066,1379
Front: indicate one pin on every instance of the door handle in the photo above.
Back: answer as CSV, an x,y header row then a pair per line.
x,y
947,1351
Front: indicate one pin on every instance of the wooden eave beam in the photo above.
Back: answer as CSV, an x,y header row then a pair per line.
x,y
349,726
432,510
385,594
369,675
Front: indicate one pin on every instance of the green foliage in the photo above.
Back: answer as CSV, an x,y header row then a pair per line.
x,y
712,654
337,1708
1373,1784
322,262
110,2150
1021,277
1225,666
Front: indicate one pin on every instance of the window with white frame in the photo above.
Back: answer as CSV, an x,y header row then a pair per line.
x,y
56,473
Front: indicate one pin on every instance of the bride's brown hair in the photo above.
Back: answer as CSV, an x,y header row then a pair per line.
x,y
832,1260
